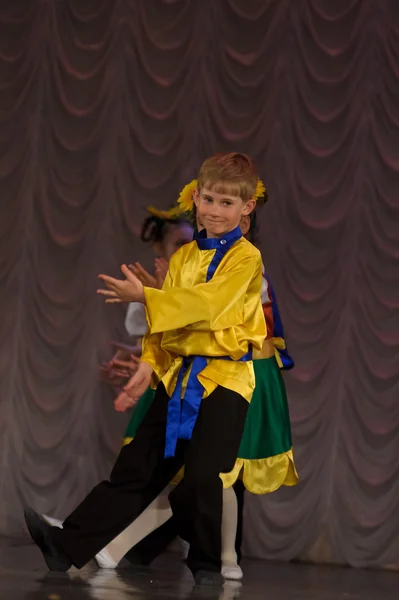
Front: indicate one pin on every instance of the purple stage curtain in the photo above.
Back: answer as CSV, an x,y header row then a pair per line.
x,y
107,106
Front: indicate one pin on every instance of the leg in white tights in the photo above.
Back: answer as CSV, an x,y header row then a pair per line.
x,y
158,513
155,515
230,568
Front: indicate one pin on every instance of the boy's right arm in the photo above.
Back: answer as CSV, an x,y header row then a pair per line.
x,y
210,306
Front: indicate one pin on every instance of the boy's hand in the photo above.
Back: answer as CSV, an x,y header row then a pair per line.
x,y
135,388
122,290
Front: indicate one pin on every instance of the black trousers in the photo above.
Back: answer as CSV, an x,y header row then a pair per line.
x,y
157,541
141,472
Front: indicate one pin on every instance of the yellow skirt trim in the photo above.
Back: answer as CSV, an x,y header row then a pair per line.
x,y
263,475
259,476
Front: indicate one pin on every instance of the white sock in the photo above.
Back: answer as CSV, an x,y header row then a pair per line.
x,y
232,572
105,560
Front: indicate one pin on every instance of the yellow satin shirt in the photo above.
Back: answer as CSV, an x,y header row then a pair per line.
x,y
221,317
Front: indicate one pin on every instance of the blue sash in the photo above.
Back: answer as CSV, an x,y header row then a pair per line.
x,y
183,413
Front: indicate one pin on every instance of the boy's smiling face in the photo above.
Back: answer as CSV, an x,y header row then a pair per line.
x,y
219,212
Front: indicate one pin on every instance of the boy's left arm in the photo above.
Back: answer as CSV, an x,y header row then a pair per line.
x,y
152,353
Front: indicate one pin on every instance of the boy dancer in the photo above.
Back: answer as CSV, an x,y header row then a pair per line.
x,y
265,459
203,327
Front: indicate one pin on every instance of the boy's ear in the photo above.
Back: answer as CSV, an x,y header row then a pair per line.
x,y
249,207
196,197
245,224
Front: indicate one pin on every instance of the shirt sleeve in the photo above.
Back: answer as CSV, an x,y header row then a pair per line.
x,y
152,353
212,306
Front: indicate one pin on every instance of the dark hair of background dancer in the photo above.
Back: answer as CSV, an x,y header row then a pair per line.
x,y
166,232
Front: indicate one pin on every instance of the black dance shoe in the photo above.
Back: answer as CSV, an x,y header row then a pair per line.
x,y
40,532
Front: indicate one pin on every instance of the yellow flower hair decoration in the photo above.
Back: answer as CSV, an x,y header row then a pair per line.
x,y
260,190
165,215
185,201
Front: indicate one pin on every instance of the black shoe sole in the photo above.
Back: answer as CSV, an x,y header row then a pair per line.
x,y
39,532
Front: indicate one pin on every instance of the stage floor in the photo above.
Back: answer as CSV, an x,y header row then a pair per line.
x,y
23,576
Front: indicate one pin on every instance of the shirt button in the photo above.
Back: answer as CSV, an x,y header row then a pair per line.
x,y
223,242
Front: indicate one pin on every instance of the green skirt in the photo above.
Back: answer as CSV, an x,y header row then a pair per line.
x,y
265,459
267,429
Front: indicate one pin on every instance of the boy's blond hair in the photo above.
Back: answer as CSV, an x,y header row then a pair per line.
x,y
229,173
